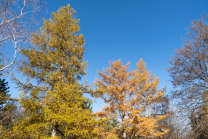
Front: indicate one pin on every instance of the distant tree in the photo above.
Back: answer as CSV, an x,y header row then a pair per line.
x,y
130,97
52,100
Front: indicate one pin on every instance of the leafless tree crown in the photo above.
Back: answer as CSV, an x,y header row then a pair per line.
x,y
17,20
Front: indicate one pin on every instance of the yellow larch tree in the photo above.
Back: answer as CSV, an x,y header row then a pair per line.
x,y
130,96
52,101
153,100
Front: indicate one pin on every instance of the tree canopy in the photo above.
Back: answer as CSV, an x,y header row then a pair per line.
x,y
52,101
131,97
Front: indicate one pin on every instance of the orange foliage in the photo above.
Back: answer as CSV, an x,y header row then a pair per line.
x,y
130,95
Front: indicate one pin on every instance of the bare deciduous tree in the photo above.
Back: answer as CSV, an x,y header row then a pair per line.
x,y
17,20
189,71
189,65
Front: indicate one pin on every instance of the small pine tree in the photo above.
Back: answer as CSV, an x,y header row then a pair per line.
x,y
7,107
4,90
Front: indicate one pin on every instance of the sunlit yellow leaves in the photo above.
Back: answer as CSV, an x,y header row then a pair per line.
x,y
52,100
130,95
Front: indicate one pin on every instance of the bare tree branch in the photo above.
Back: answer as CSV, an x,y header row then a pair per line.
x,y
17,20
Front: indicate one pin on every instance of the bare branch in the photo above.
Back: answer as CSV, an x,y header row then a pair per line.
x,y
16,23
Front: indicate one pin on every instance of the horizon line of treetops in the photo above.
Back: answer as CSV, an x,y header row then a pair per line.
x,y
52,105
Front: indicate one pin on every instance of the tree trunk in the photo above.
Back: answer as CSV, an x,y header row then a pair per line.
x,y
124,135
149,109
53,132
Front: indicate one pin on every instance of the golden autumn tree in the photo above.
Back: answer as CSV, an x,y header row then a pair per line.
x,y
52,102
130,96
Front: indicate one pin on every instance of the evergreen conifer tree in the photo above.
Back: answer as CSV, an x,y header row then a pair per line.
x,y
4,90
7,107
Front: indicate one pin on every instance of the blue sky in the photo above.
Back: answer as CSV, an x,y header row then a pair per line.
x,y
130,30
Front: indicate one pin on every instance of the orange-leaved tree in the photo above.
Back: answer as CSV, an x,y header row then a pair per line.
x,y
130,96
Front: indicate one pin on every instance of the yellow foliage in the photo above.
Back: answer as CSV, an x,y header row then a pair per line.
x,y
52,100
130,95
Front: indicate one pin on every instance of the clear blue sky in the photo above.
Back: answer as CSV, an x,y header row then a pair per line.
x,y
130,30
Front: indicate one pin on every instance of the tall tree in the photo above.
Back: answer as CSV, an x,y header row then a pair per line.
x,y
52,100
189,64
189,68
130,97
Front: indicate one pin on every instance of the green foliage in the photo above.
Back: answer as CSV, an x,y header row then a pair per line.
x,y
4,89
7,107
